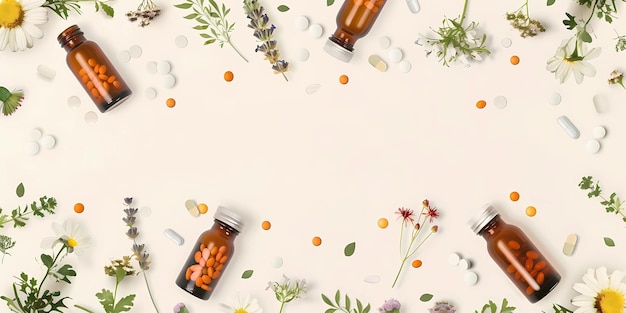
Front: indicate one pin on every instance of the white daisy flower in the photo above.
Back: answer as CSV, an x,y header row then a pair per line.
x,y
70,235
571,58
18,23
241,304
600,292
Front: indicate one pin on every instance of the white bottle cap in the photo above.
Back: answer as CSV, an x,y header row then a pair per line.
x,y
338,51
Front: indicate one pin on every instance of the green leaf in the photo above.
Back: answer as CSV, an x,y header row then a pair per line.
x,y
347,306
120,273
331,310
183,5
329,2
47,260
283,8
551,2
106,299
20,190
367,309
349,249
570,22
247,274
609,242
107,9
584,35
337,297
493,307
190,16
426,297
124,305
327,300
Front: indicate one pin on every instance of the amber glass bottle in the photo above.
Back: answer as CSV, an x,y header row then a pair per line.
x,y
354,21
93,70
210,255
516,255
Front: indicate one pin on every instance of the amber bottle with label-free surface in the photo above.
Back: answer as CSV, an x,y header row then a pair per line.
x,y
210,255
93,70
354,21
516,255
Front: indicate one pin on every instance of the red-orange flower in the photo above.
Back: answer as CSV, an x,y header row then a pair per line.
x,y
431,213
406,214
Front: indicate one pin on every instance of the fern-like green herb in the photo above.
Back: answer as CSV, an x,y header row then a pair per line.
x,y
20,216
212,17
346,306
560,309
63,7
6,243
491,307
612,205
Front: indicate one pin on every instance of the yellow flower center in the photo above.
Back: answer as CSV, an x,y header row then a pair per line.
x,y
72,242
610,301
240,310
11,13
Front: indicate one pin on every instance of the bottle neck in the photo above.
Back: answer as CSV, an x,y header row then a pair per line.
x,y
71,37
492,227
225,229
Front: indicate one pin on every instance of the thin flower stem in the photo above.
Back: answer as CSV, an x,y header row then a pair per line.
x,y
83,308
421,243
464,10
236,50
149,291
54,261
282,305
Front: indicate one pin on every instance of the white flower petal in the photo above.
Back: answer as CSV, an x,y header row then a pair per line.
x,y
593,53
31,4
37,16
4,38
603,277
584,289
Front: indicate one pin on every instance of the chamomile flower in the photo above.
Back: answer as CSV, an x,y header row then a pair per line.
x,y
600,292
242,304
70,235
571,58
18,23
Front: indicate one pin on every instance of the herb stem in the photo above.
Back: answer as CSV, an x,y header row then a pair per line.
x,y
145,277
236,50
83,308
464,10
282,305
54,261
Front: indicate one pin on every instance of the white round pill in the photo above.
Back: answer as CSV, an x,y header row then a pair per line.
x,y
277,262
470,278
123,56
151,93
593,146
384,42
73,102
316,30
372,279
32,148
465,264
48,141
404,66
599,132
91,117
506,42
164,67
313,88
36,134
499,102
303,54
135,51
151,67
302,22
453,259
46,72
600,103
395,55
169,80
180,41
554,98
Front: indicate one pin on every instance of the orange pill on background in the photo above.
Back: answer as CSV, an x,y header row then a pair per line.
x,y
416,263
170,102
229,76
531,211
316,241
343,79
266,225
383,222
514,60
481,104
514,196
202,208
79,207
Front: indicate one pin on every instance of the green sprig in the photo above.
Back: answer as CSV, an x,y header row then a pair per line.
x,y
20,216
63,7
560,309
612,205
6,243
347,306
491,307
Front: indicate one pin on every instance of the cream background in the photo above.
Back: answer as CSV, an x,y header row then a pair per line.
x,y
328,164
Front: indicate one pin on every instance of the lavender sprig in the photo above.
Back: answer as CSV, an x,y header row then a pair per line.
x,y
264,33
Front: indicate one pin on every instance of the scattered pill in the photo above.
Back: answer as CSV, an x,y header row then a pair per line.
x,y
316,30
383,223
46,72
124,56
203,208
514,60
135,51
170,102
192,208
151,67
506,42
91,117
163,67
303,54
169,80
150,93
414,6
481,104
73,102
514,196
570,244
531,211
174,236
453,259
554,98
302,22
343,79
79,207
266,225
471,278
229,76
395,55
377,62
416,263
384,42
464,264
316,241
36,134
569,127
593,146
313,88
180,41
404,66
32,148
372,279
600,103
48,141
499,102
599,132
277,262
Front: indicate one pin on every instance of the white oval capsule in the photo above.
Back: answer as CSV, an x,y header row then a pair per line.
x,y
377,62
414,6
174,236
569,127
570,244
46,72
